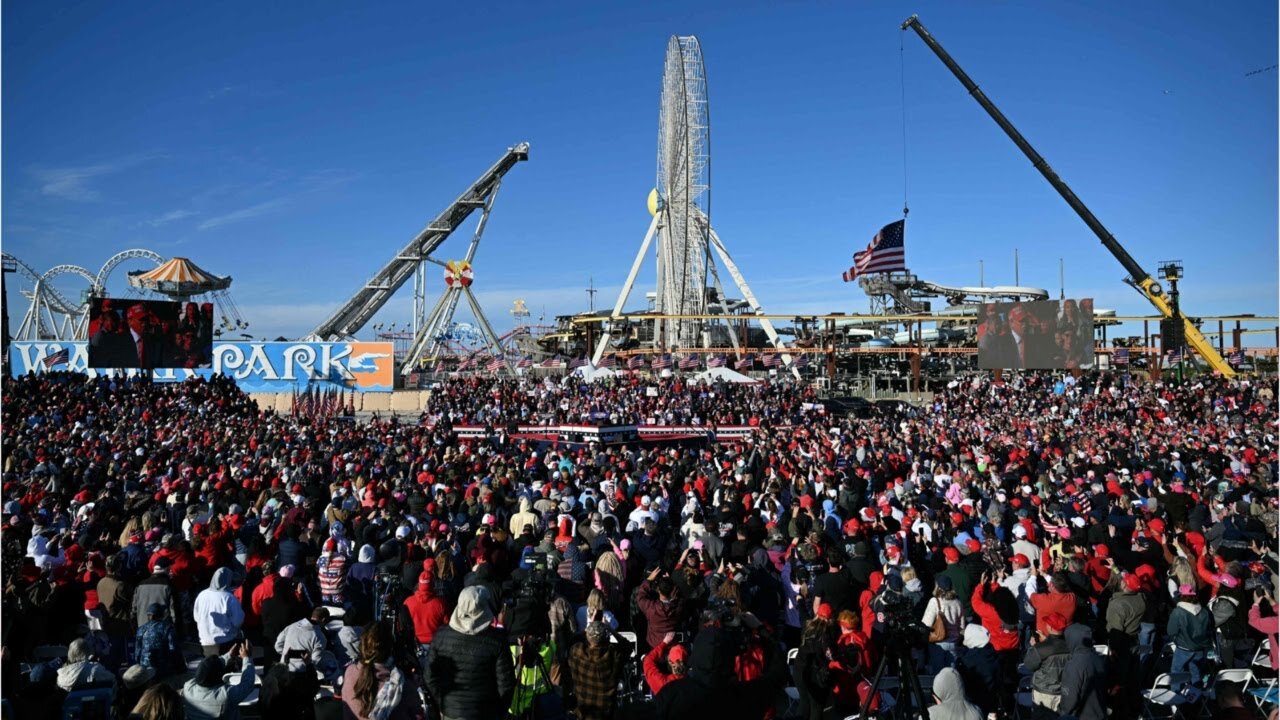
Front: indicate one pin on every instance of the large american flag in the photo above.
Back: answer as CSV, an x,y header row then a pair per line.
x,y
577,362
1236,358
551,362
802,361
885,253
495,364
772,360
1174,356
690,362
636,362
609,361
716,361
525,362
57,358
662,362
745,362
1120,356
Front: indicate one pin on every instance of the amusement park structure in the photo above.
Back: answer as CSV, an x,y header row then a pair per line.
x,y
51,315
431,331
681,224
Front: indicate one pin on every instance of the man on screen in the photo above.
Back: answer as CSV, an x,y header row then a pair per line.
x,y
109,346
995,346
1032,348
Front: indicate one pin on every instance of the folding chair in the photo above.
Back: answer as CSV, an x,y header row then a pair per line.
x,y
791,692
1167,693
1103,650
88,704
1262,657
1266,694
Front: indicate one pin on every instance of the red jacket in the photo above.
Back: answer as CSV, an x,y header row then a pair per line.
x,y
1052,602
653,673
181,572
427,612
1002,637
265,590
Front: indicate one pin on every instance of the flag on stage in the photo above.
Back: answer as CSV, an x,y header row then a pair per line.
x,y
745,362
525,362
495,364
716,361
57,358
1235,359
609,361
886,253
662,362
772,360
636,362
690,362
551,362
1120,356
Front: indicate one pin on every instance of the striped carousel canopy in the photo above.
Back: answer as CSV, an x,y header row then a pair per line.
x,y
179,276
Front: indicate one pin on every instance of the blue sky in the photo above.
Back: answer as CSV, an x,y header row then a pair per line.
x,y
297,146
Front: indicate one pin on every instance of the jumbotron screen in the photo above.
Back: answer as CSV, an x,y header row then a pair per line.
x,y
1044,335
150,334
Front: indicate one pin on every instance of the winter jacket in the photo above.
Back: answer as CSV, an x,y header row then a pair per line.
x,y
952,705
427,613
302,640
1125,611
1191,627
79,675
410,707
217,612
653,673
979,669
962,582
117,601
1083,677
1046,660
155,589
157,647
217,703
526,516
663,617
1004,636
470,674
1051,602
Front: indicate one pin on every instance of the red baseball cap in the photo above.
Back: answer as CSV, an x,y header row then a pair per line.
x,y
951,554
1021,560
1056,622
677,653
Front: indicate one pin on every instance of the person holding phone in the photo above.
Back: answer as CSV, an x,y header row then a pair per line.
x,y
207,696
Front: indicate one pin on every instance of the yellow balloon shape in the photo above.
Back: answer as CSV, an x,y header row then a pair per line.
x,y
653,201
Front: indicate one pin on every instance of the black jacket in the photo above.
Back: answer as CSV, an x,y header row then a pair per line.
x,y
470,676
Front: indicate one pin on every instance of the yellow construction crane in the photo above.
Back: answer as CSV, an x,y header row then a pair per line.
x,y
1138,277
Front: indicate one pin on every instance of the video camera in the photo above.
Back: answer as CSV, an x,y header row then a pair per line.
x,y
896,612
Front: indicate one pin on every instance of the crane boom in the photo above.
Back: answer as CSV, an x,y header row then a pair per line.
x,y
1138,277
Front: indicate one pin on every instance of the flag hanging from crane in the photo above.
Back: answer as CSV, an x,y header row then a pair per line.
x,y
1120,356
886,253
1236,358
1174,356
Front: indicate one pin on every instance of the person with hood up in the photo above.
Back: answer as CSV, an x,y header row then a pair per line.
x,y
979,667
1191,631
82,669
948,689
469,668
677,659
218,614
426,611
1083,677
526,516
207,697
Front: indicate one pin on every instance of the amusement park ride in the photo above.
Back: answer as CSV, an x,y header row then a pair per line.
x,y
432,333
51,315
681,210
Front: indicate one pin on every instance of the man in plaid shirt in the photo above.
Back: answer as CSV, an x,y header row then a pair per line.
x,y
595,666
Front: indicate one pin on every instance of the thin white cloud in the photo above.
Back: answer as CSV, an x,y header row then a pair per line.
x,y
246,213
73,183
171,216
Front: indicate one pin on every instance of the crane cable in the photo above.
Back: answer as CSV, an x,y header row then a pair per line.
x,y
902,77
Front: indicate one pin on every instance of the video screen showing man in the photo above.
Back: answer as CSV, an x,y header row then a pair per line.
x,y
149,334
1036,335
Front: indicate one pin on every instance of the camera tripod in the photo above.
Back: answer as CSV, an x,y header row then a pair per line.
x,y
530,656
897,650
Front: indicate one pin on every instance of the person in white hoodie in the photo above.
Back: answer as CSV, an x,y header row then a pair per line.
x,y
218,614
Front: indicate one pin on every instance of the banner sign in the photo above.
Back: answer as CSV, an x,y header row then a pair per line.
x,y
255,366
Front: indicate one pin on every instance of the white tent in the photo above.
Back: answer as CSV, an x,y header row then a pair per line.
x,y
591,373
722,374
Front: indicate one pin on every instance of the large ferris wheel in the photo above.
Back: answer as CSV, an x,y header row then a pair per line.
x,y
680,204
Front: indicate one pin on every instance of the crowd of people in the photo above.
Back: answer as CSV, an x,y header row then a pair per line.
x,y
1044,546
